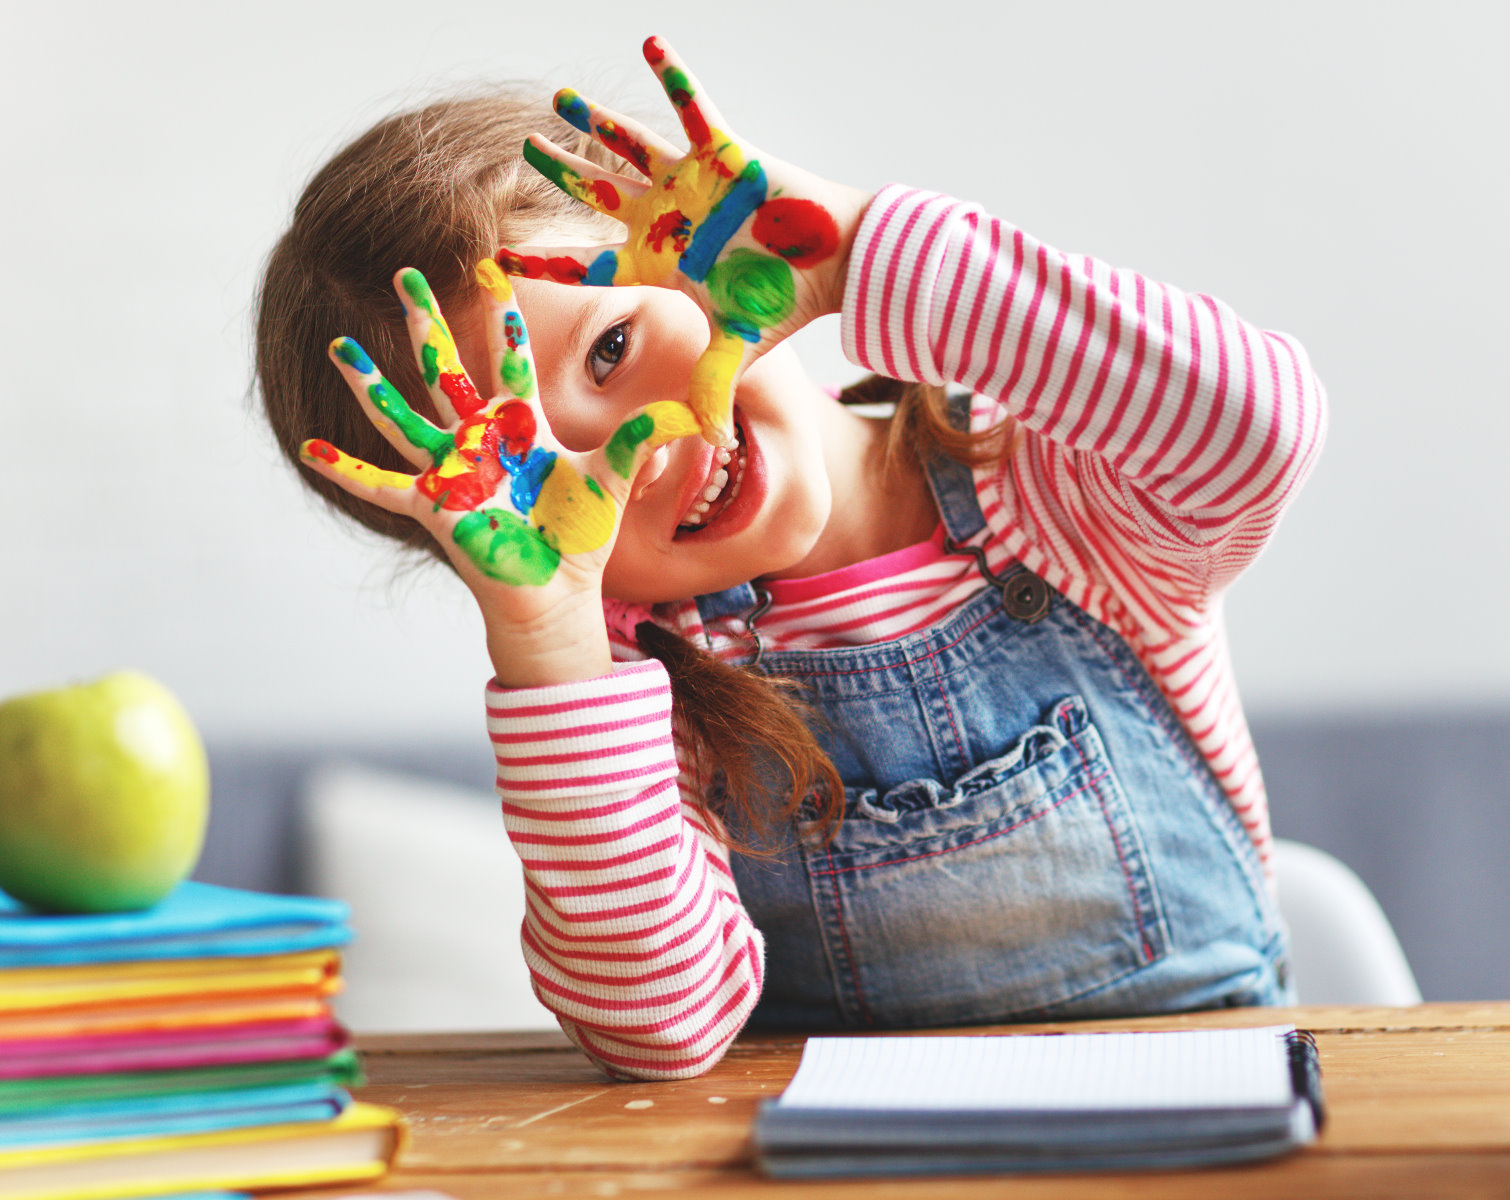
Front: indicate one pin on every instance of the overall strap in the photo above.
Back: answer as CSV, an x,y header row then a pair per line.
x,y
953,483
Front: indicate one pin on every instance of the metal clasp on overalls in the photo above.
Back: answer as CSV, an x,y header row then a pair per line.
x,y
1023,594
762,606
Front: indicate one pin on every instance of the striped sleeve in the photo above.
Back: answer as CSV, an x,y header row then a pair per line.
x,y
1164,423
633,932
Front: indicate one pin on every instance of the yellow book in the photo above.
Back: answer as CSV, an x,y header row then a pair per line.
x,y
95,985
356,1147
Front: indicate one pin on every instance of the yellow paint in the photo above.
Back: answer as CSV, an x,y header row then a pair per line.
x,y
692,188
711,389
673,420
574,518
358,471
490,275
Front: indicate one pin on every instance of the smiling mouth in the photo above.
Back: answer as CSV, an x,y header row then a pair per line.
x,y
721,489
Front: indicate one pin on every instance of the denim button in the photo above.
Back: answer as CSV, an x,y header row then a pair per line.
x,y
1025,597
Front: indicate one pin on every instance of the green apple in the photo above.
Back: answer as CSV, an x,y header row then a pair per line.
x,y
104,794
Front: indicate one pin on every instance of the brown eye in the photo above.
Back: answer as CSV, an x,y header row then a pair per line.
x,y
607,352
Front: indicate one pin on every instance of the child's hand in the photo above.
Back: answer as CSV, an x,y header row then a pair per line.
x,y
528,524
760,245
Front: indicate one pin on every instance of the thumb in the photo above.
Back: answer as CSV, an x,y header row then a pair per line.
x,y
652,426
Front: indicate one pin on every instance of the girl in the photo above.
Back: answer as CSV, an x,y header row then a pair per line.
x,y
816,719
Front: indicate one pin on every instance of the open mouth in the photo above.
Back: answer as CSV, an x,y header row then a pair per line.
x,y
722,487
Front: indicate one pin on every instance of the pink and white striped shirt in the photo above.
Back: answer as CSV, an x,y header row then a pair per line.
x,y
1160,439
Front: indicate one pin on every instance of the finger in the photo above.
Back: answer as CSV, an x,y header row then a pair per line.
x,y
591,266
630,140
711,390
654,425
392,490
409,433
451,390
602,190
700,119
510,360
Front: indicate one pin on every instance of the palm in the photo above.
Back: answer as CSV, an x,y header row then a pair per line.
x,y
748,237
518,515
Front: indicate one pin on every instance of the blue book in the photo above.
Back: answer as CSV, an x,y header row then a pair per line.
x,y
196,920
166,1116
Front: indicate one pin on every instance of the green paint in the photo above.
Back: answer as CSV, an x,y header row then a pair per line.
x,y
754,287
506,548
353,356
592,486
517,374
562,176
429,363
625,441
418,289
417,431
675,80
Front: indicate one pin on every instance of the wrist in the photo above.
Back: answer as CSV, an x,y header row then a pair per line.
x,y
563,645
847,207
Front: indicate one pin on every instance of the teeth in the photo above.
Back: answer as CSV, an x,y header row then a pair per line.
x,y
716,484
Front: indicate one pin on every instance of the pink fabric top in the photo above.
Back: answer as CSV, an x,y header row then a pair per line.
x,y
1160,437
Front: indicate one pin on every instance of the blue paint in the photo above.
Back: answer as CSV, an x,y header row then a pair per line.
x,y
731,212
353,355
529,473
514,331
741,329
572,109
601,271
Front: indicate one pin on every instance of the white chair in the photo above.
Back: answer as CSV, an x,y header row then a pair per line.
x,y
1343,949
436,895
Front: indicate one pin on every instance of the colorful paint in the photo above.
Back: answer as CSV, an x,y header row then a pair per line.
x,y
707,216
493,450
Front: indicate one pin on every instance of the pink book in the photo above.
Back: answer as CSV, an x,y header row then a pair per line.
x,y
156,1050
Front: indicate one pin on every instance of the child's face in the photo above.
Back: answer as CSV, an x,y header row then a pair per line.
x,y
601,353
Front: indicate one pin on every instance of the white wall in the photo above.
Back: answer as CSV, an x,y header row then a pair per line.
x,y
1335,170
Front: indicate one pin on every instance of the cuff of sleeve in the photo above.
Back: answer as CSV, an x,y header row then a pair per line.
x,y
634,684
891,288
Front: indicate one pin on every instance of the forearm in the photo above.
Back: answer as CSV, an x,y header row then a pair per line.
x,y
1210,419
634,934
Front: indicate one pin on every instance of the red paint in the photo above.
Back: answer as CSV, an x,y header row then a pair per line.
x,y
692,117
515,427
624,146
606,195
800,231
532,266
510,430
655,52
673,225
323,450
459,390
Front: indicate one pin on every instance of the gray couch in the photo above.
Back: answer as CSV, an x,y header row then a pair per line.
x,y
1416,803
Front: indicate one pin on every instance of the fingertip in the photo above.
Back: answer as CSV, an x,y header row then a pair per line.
x,y
654,50
572,109
346,350
318,450
493,279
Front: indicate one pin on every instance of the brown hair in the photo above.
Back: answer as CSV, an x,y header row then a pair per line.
x,y
438,189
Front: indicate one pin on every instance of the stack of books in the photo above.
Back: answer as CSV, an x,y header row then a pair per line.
x,y
188,1046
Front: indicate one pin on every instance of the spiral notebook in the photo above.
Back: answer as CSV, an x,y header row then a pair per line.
x,y
1042,1102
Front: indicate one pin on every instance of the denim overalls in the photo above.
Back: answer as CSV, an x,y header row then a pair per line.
x,y
1028,831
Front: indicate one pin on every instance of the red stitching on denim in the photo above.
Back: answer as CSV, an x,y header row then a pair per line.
x,y
849,952
949,712
1132,889
963,634
891,862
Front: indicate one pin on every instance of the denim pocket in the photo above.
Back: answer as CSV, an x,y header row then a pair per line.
x,y
1022,885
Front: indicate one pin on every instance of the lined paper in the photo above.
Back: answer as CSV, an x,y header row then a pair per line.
x,y
1218,1068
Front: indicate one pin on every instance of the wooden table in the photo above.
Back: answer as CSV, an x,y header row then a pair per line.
x,y
1418,1099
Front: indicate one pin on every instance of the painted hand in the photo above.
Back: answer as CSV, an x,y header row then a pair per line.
x,y
760,245
509,504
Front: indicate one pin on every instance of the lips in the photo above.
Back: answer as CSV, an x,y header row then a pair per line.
x,y
724,482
